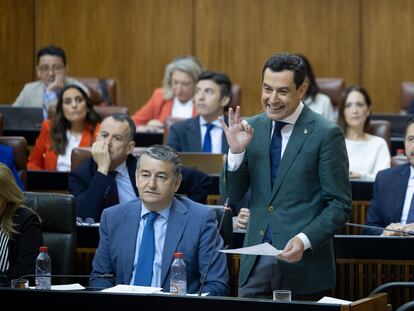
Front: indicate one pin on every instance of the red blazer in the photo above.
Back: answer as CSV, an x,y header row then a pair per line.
x,y
44,158
156,108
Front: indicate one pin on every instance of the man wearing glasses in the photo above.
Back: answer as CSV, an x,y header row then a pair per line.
x,y
51,69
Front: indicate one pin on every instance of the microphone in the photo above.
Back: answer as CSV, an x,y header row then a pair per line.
x,y
106,276
406,233
226,207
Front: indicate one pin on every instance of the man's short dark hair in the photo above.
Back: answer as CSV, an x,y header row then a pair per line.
x,y
122,117
287,61
219,78
52,50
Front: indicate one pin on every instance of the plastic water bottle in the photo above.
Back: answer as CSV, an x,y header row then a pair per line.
x,y
43,269
178,281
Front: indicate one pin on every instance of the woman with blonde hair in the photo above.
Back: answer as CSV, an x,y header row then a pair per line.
x,y
20,231
175,99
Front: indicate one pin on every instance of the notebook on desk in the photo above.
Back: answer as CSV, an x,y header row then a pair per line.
x,y
209,163
21,118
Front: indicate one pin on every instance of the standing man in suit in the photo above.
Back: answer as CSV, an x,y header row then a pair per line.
x,y
392,204
108,177
51,69
298,174
204,133
178,225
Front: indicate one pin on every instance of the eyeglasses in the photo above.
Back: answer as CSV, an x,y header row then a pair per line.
x,y
54,68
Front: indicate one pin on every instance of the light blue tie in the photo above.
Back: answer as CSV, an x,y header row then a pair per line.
x,y
143,271
207,147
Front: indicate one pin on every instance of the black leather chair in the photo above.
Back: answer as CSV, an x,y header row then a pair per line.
x,y
58,221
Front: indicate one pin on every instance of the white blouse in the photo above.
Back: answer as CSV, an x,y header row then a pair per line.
x,y
63,160
368,157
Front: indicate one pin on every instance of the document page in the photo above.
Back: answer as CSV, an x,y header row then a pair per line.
x,y
264,249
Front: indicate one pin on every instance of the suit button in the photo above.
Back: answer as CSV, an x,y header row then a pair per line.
x,y
261,232
270,208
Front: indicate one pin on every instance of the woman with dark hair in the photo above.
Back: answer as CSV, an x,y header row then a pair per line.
x,y
20,232
314,99
367,154
75,124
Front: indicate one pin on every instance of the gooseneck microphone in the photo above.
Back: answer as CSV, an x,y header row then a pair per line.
x,y
106,276
226,207
407,233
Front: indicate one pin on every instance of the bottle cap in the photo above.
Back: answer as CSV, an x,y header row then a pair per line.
x,y
43,249
178,255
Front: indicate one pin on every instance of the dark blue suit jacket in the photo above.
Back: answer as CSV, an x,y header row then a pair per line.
x,y
6,157
191,229
388,198
186,136
91,187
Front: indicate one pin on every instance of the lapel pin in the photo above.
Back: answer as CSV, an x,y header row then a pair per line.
x,y
305,131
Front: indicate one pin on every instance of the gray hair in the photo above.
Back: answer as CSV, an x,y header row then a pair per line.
x,y
188,64
163,153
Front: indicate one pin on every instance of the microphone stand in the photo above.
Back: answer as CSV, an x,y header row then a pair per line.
x,y
226,207
405,233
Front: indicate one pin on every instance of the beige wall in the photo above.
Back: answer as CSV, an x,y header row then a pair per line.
x,y
363,41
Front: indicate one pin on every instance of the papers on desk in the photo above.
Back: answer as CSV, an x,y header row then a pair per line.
x,y
327,299
264,249
75,286
123,288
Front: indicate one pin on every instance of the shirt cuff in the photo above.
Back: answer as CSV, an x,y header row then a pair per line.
x,y
305,240
234,160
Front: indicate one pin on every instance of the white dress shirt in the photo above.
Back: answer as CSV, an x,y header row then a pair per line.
x,y
182,110
63,160
126,191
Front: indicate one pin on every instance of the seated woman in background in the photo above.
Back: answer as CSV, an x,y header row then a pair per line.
x,y
367,153
175,99
20,231
75,124
314,99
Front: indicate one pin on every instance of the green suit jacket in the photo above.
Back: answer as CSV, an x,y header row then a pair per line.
x,y
311,194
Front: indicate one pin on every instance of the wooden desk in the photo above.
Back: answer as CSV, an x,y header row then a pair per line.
x,y
25,299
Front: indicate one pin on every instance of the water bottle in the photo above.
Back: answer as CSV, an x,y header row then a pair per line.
x,y
178,281
43,269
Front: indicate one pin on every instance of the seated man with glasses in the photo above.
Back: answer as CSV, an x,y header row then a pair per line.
x,y
51,69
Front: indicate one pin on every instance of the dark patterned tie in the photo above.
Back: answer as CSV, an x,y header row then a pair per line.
x,y
275,155
276,149
143,271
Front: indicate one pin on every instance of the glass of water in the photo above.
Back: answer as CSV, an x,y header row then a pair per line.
x,y
282,295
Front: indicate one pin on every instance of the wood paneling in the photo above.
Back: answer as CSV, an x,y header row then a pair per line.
x,y
128,40
16,47
362,41
238,36
387,45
